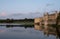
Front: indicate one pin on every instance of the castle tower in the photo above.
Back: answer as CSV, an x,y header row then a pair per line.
x,y
46,15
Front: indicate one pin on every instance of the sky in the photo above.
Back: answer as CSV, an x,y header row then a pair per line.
x,y
27,8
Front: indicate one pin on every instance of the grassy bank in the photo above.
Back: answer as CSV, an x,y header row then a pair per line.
x,y
25,23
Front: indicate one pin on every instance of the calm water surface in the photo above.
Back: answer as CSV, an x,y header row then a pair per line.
x,y
22,33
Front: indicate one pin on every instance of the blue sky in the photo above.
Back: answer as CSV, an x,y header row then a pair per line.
x,y
11,7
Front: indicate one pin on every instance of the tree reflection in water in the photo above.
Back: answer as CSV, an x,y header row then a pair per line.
x,y
25,26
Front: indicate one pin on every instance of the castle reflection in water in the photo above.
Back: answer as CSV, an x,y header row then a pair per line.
x,y
49,30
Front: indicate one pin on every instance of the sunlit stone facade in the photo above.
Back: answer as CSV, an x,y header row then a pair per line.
x,y
47,19
50,19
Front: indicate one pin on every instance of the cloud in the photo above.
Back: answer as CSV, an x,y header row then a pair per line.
x,y
49,4
22,16
3,14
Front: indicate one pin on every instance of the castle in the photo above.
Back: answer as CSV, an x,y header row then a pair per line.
x,y
49,23
48,19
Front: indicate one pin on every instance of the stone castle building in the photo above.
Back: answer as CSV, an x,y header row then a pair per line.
x,y
47,22
47,19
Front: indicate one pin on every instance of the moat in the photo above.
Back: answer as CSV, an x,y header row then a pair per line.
x,y
19,32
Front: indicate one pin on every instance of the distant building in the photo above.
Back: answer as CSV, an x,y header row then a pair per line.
x,y
50,19
47,19
58,19
36,20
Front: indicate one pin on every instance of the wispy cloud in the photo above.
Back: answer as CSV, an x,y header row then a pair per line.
x,y
3,14
49,4
22,16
